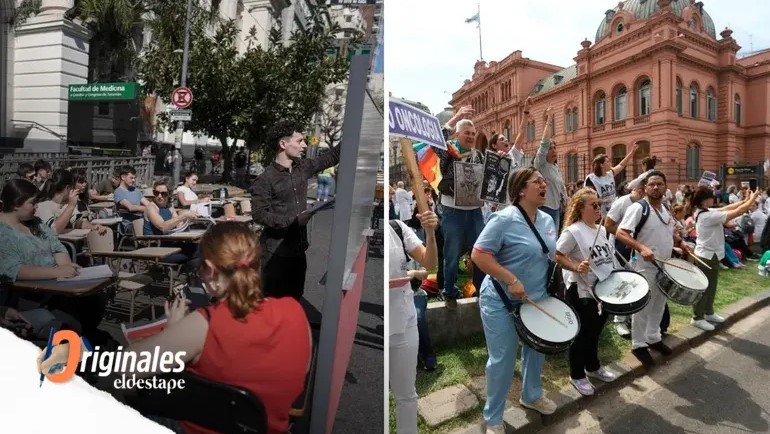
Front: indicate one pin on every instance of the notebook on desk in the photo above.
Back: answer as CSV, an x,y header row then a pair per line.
x,y
89,273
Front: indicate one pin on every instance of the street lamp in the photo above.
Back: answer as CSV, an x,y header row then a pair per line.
x,y
180,124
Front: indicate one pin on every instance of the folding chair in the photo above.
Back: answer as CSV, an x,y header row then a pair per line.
x,y
215,406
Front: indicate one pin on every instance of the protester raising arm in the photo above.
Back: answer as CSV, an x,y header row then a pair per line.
x,y
622,165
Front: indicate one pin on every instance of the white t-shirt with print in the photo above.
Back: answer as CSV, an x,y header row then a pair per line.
x,y
711,234
656,234
401,299
603,257
605,189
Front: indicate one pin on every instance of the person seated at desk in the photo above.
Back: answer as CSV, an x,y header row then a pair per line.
x,y
102,191
185,194
58,207
31,251
129,199
161,218
264,342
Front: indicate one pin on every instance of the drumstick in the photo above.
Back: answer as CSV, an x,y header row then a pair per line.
x,y
598,231
699,260
410,160
672,264
532,302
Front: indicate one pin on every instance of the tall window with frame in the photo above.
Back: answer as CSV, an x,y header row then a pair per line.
x,y
553,125
693,162
694,100
621,97
530,131
679,106
601,103
711,105
575,121
737,109
572,168
645,98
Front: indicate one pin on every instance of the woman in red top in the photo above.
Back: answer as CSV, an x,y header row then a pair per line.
x,y
245,340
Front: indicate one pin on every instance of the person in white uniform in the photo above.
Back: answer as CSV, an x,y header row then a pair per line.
x,y
655,240
603,177
402,320
403,202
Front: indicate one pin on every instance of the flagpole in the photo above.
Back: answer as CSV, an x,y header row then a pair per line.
x,y
481,53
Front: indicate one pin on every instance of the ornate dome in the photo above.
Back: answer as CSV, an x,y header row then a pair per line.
x,y
644,9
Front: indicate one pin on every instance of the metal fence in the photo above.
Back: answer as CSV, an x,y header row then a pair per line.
x,y
97,168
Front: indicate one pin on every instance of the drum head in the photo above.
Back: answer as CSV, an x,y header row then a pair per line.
x,y
622,287
693,279
545,328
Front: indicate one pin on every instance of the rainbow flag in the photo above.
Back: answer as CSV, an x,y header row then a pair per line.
x,y
428,163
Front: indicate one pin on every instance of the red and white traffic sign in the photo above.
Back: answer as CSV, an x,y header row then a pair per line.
x,y
182,97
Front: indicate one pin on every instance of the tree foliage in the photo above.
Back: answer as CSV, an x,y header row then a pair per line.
x,y
238,94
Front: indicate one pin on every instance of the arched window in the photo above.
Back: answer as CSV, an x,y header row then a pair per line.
x,y
553,125
620,103
694,100
599,150
575,121
679,97
507,130
711,105
693,162
694,23
601,103
618,153
530,131
568,120
737,109
645,100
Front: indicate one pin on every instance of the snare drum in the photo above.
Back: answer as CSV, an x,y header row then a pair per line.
x,y
624,292
681,286
542,333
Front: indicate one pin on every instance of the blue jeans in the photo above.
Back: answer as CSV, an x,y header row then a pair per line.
x,y
555,214
461,228
324,185
421,304
502,346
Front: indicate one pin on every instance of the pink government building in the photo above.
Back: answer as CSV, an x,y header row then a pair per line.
x,y
658,74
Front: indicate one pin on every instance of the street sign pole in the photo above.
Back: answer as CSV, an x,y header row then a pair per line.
x,y
177,173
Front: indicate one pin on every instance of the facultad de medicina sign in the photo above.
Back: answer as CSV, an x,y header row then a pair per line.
x,y
103,91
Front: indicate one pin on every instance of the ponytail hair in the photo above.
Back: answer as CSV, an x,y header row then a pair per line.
x,y
234,251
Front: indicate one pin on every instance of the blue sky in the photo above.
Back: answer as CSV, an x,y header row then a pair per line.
x,y
431,50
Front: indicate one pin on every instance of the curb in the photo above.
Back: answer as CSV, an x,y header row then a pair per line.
x,y
569,401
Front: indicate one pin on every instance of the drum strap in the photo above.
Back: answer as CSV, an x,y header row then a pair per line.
x,y
502,294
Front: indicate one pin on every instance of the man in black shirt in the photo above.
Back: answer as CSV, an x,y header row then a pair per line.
x,y
279,204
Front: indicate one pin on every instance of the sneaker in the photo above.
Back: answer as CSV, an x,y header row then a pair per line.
x,y
643,354
622,329
723,266
762,270
496,429
583,386
703,324
661,348
752,259
603,374
542,405
714,318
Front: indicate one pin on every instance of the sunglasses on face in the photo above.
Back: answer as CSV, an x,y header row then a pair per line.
x,y
595,205
160,193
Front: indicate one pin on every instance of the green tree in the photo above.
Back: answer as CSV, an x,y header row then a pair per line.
x,y
239,95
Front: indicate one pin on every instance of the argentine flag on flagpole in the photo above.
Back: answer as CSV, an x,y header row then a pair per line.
x,y
474,19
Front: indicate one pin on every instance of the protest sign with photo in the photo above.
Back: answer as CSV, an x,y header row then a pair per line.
x,y
468,178
494,187
707,178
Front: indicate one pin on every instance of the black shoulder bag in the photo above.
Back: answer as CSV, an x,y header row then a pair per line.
x,y
554,279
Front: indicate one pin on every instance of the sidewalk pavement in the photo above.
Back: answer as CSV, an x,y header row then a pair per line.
x,y
451,402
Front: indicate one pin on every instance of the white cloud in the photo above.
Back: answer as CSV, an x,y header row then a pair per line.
x,y
430,49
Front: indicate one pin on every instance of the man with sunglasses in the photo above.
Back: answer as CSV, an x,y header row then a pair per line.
x,y
279,204
161,218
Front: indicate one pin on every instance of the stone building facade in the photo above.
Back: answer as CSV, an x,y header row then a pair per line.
x,y
656,74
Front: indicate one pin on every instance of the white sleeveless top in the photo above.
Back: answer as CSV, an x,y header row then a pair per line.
x,y
605,189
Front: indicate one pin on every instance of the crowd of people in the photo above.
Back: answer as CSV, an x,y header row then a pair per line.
x,y
588,231
250,317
